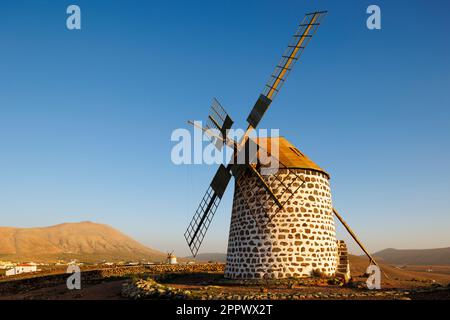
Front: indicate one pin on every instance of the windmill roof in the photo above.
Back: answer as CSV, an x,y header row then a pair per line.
x,y
288,155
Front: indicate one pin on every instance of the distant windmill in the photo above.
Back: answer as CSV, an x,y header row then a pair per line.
x,y
171,258
282,223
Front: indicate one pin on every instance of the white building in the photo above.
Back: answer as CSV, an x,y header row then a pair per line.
x,y
21,268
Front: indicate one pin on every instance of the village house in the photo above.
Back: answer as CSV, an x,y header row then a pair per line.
x,y
21,268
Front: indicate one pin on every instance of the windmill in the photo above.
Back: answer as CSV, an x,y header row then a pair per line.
x,y
282,220
171,258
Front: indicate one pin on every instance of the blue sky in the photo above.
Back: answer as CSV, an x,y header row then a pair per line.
x,y
86,116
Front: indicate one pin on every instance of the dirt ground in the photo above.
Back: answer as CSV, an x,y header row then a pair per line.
x,y
107,290
405,283
112,289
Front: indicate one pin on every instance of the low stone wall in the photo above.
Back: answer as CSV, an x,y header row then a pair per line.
x,y
92,276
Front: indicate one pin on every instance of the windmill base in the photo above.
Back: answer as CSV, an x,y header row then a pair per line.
x,y
300,241
342,270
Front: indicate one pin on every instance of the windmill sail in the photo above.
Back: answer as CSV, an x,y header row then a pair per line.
x,y
300,40
199,224
218,119
206,210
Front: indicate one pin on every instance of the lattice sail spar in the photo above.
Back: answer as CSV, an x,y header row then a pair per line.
x,y
206,210
300,40
219,120
199,224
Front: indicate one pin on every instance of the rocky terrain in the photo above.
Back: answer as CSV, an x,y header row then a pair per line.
x,y
89,241
205,281
214,287
97,282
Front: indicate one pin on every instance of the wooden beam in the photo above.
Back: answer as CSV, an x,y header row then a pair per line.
x,y
265,185
350,231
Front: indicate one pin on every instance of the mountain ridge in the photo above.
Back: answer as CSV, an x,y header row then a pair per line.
x,y
209,256
434,256
86,241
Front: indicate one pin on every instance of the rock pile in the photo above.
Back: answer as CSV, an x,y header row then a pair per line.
x,y
149,288
161,268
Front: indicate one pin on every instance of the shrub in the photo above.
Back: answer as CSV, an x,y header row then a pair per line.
x,y
317,273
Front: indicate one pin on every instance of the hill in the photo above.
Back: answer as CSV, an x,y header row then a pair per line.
x,y
85,241
419,257
439,256
358,266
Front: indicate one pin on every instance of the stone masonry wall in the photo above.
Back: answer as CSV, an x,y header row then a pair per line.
x,y
343,269
300,239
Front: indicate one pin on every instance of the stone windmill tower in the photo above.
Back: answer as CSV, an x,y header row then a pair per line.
x,y
295,241
282,222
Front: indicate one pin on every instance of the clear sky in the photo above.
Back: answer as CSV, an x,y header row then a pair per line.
x,y
86,116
